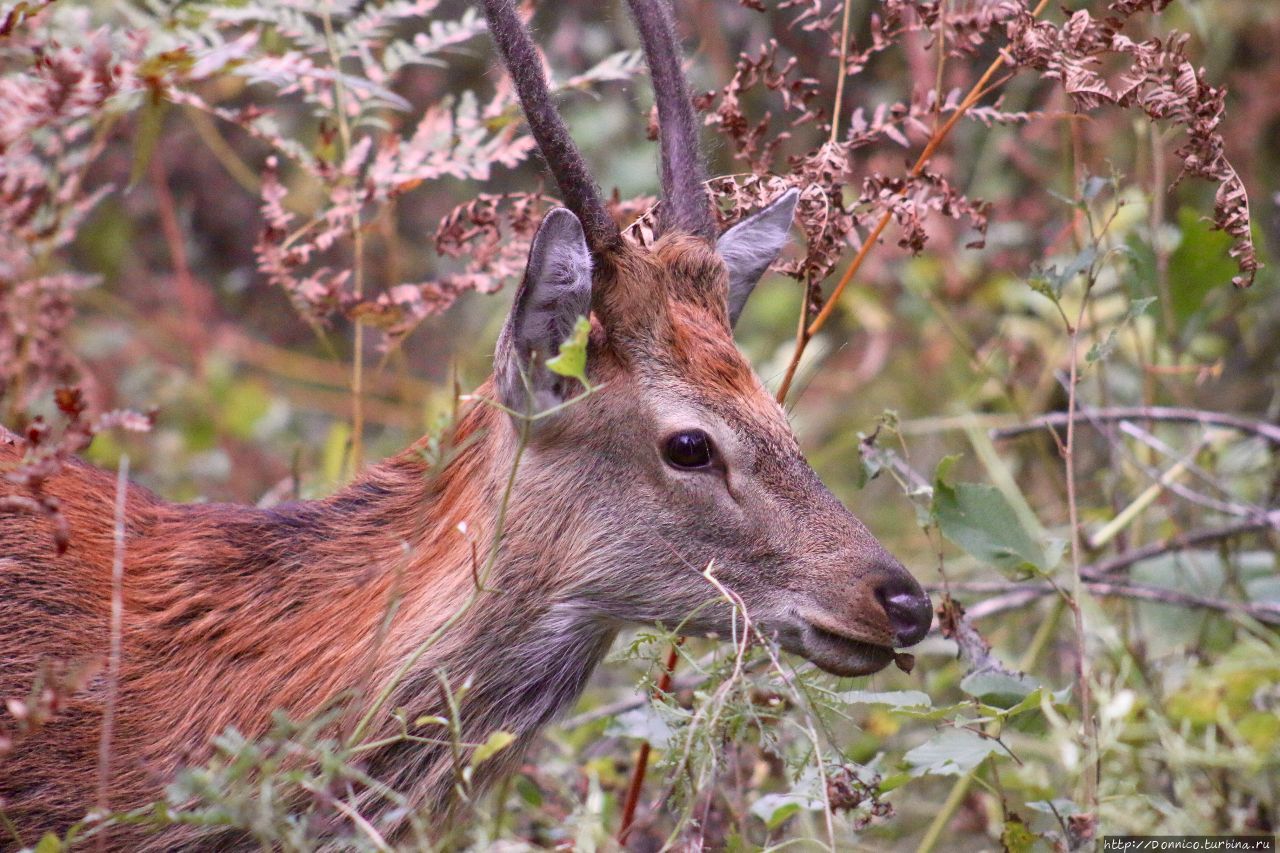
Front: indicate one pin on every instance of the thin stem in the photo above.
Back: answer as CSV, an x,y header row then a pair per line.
x,y
114,645
357,356
613,709
1270,432
1039,642
940,40
358,820
1159,188
802,341
10,828
944,815
1182,542
188,291
842,74
976,93
223,152
1089,732
495,550
1002,596
642,756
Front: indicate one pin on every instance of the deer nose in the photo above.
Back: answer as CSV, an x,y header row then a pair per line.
x,y
907,606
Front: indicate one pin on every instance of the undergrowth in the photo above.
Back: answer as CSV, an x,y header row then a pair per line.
x,y
1083,450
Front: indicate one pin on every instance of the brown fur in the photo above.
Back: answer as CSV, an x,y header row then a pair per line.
x,y
231,612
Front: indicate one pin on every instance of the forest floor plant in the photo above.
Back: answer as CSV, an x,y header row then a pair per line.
x,y
1116,512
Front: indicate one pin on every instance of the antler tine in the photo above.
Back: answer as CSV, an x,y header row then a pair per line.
x,y
577,187
685,204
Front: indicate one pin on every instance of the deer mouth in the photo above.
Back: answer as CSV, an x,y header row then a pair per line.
x,y
841,655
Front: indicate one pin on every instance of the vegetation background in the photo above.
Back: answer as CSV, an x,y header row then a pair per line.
x,y
253,245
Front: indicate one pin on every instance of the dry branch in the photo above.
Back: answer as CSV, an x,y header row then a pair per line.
x,y
1014,595
1099,577
1270,432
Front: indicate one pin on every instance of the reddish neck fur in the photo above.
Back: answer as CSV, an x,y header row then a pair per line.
x,y
232,612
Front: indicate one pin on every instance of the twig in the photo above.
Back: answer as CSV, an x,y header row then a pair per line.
x,y
357,234
1102,536
642,757
1182,542
1088,725
1265,430
114,644
612,709
1019,595
939,823
375,837
1039,642
299,367
840,78
976,93
1187,459
223,152
1226,507
188,291
1015,595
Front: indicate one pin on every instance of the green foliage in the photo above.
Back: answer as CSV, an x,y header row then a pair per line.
x,y
805,795
571,360
1199,261
430,195
892,698
1103,349
1002,689
494,744
951,752
1052,281
978,518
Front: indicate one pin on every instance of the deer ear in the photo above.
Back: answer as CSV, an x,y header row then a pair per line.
x,y
750,246
556,290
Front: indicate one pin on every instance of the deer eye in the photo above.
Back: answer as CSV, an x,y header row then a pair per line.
x,y
688,449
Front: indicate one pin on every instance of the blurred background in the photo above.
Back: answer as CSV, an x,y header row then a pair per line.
x,y
208,223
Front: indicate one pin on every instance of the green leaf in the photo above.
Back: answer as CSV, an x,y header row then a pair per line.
x,y
1062,806
571,361
1199,264
641,724
497,742
150,123
892,698
773,809
243,407
528,791
1031,702
1102,349
951,752
1016,837
1001,689
1051,281
941,712
1040,282
333,455
980,520
48,843
893,781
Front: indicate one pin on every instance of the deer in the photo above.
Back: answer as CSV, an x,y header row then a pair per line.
x,y
602,514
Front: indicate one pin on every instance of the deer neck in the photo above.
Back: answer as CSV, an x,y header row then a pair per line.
x,y
497,629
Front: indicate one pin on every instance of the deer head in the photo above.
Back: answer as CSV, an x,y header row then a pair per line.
x,y
681,460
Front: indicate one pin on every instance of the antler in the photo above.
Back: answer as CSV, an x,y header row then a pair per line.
x,y
685,204
577,187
